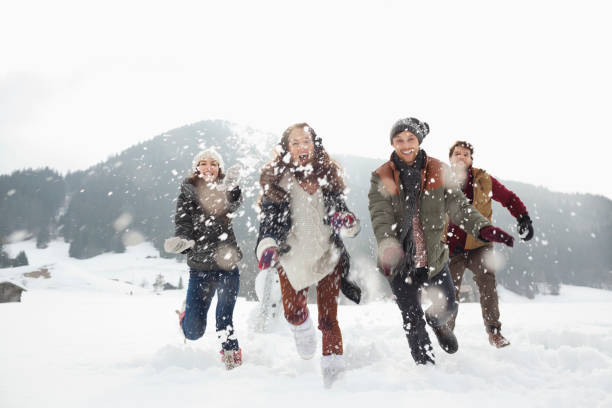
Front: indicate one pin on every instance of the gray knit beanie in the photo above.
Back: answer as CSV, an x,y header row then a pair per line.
x,y
416,127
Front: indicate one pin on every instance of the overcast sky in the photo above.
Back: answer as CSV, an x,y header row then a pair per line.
x,y
529,83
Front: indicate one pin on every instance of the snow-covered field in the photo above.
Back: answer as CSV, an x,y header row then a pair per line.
x,y
79,339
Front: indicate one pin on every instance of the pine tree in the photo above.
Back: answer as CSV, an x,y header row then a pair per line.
x,y
21,259
42,238
5,261
158,285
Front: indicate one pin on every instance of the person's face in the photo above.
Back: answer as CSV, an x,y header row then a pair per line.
x,y
406,145
461,158
301,147
209,169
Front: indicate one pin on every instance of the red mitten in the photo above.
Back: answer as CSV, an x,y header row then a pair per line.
x,y
269,258
349,220
494,234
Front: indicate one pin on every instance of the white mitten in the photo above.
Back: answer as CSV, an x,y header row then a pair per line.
x,y
176,245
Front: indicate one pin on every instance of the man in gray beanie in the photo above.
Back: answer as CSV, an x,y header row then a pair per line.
x,y
409,200
414,126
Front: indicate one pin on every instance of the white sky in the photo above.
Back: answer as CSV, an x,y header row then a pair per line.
x,y
529,83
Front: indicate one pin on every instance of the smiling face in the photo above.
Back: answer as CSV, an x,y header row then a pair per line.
x,y
301,147
209,169
461,158
406,146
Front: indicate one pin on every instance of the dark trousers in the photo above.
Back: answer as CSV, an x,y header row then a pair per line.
x,y
441,292
476,260
202,288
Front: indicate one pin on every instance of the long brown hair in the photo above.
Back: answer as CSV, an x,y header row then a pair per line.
x,y
324,167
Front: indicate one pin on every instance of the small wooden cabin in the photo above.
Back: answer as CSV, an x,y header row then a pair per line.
x,y
10,292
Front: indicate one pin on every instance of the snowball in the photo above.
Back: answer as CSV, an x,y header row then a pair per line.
x,y
131,238
123,221
227,256
494,260
17,236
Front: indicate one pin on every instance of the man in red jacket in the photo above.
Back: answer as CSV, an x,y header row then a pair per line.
x,y
468,252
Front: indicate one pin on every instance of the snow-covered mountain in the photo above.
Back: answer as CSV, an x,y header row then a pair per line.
x,y
129,199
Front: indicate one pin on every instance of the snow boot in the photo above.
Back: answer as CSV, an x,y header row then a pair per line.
x,y
420,346
332,367
446,339
181,315
423,354
231,358
496,339
305,339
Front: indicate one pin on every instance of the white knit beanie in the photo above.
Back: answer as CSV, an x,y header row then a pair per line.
x,y
209,153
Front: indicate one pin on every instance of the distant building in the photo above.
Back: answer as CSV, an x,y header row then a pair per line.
x,y
10,292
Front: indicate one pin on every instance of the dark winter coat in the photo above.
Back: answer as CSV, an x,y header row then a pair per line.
x,y
215,243
437,199
275,223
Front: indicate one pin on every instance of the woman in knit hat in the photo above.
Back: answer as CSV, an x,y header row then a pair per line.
x,y
204,232
304,216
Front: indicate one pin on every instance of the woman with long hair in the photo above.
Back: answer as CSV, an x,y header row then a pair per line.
x,y
303,218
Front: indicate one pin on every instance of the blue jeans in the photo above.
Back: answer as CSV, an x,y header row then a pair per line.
x,y
201,289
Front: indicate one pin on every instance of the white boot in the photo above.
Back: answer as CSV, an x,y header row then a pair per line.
x,y
332,367
305,339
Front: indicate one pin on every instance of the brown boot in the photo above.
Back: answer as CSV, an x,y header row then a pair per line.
x,y
496,339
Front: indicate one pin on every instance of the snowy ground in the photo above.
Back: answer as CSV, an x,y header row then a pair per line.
x,y
80,339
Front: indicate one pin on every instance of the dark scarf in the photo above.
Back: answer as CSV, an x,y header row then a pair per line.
x,y
410,183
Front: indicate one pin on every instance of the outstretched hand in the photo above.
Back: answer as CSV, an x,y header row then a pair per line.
x,y
346,223
176,245
269,258
390,258
494,234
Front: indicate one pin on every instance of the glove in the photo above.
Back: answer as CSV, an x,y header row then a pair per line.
x,y
232,176
269,258
390,259
342,220
336,221
176,245
525,224
494,234
345,223
349,220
